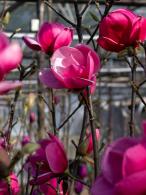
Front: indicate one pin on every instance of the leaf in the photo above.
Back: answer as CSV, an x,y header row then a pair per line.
x,y
6,18
30,148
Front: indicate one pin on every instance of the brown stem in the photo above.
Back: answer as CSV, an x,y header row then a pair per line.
x,y
132,108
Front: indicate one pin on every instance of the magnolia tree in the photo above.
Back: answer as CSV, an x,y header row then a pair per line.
x,y
33,166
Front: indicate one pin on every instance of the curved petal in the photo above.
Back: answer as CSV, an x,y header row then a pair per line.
x,y
134,163
4,41
64,38
142,35
31,43
41,179
133,184
109,44
58,163
10,57
85,50
111,165
47,35
6,86
102,187
66,56
48,78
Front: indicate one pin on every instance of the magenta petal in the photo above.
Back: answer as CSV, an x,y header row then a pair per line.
x,y
113,158
10,57
41,179
102,187
85,50
58,163
4,41
6,86
48,78
64,38
142,35
31,43
133,184
134,163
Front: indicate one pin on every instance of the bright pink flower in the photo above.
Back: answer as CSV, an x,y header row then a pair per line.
x,y
72,68
10,56
123,168
14,186
87,145
120,29
56,147
50,37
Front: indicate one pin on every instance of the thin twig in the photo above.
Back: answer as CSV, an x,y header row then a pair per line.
x,y
59,14
66,120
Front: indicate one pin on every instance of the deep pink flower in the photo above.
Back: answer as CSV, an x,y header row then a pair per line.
x,y
120,29
14,185
50,37
44,162
10,55
25,140
56,147
123,168
82,170
72,68
78,187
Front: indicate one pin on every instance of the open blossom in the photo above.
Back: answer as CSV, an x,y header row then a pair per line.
x,y
14,185
121,28
50,37
48,162
72,68
123,168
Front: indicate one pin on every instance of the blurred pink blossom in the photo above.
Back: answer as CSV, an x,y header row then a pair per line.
x,y
32,117
72,68
14,185
121,28
50,37
123,168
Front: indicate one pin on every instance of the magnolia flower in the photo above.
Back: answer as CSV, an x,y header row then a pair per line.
x,y
72,68
50,37
121,28
123,168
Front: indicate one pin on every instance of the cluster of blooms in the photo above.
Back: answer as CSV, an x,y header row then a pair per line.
x,y
71,67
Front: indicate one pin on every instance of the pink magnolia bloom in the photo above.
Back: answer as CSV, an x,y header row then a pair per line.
x,y
14,186
50,37
123,168
44,162
10,55
72,68
87,146
121,28
25,140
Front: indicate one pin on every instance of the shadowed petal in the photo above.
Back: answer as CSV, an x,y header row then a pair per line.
x,y
48,78
31,43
